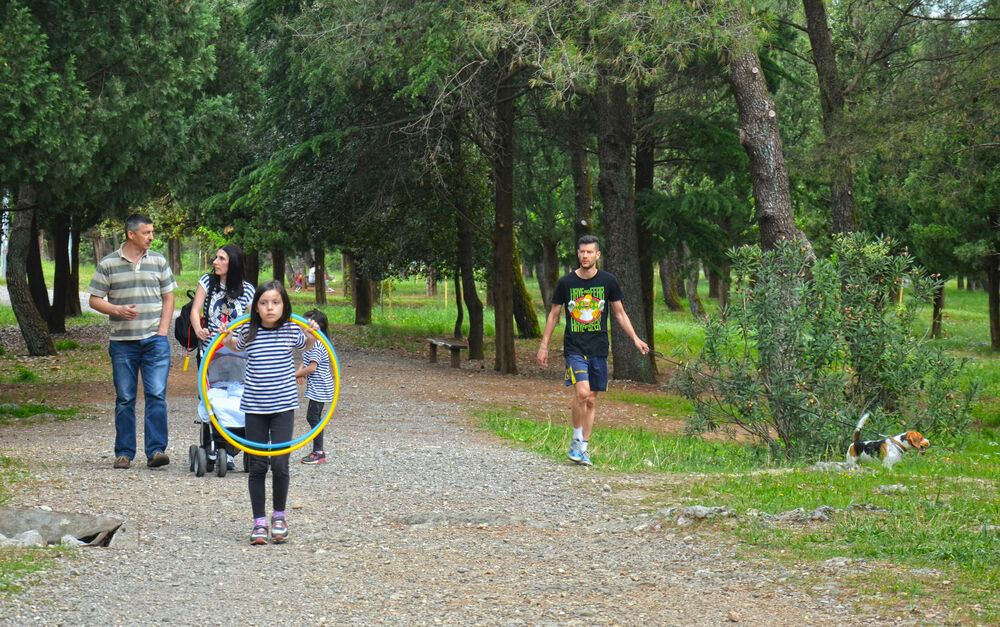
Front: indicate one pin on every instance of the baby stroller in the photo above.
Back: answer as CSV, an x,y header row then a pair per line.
x,y
225,388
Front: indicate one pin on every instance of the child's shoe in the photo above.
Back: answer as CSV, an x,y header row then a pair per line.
x,y
279,530
258,535
316,457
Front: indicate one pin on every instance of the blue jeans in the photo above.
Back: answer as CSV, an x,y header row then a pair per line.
x,y
151,358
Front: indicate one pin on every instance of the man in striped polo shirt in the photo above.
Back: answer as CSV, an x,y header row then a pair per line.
x,y
134,287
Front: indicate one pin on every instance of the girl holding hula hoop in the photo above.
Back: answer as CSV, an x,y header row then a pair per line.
x,y
315,371
269,398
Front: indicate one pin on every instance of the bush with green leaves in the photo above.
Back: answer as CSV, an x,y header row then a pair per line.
x,y
807,346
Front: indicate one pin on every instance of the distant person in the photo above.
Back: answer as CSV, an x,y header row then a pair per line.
x,y
134,287
298,282
315,371
312,275
269,399
228,297
586,292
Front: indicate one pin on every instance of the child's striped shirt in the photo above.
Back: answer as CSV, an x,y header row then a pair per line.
x,y
320,386
270,377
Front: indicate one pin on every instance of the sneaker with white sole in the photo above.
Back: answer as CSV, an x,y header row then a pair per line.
x,y
230,462
585,459
575,450
279,530
316,457
258,535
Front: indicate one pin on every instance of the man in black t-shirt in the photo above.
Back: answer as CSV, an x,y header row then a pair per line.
x,y
586,293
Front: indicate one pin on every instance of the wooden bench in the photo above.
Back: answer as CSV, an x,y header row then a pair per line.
x,y
454,347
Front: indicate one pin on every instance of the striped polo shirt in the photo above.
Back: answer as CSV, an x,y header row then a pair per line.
x,y
142,284
270,377
320,383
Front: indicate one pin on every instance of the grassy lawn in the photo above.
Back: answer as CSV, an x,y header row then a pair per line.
x,y
932,535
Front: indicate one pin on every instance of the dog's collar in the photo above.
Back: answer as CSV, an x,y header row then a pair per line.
x,y
898,445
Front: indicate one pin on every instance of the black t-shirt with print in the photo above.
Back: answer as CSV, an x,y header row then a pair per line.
x,y
587,304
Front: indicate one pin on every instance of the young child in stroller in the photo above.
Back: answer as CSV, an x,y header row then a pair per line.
x,y
225,383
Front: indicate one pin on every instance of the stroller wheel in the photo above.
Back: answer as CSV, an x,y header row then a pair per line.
x,y
191,453
220,462
200,462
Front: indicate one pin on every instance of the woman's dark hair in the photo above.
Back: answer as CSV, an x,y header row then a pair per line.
x,y
234,276
319,317
286,307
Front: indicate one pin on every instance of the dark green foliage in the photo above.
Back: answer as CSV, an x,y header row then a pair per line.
x,y
804,350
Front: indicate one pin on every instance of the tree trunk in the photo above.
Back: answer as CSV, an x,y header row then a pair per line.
x,y
29,320
831,93
319,261
525,315
466,245
993,292
669,271
251,266
549,274
583,188
960,282
713,282
724,284
431,283
614,150
691,283
937,313
56,317
174,252
760,138
278,264
503,229
36,279
347,275
645,169
460,314
73,285
364,295
101,247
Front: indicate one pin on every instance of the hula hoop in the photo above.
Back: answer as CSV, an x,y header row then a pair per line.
x,y
262,448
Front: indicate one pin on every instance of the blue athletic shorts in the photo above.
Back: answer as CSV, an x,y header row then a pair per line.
x,y
591,369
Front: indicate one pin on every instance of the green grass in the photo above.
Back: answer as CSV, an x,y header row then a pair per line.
x,y
941,522
28,414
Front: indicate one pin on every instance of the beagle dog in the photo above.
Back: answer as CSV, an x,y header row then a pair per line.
x,y
890,450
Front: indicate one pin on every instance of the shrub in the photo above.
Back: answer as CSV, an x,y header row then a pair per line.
x,y
805,348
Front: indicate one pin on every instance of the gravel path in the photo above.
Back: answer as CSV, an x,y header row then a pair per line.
x,y
419,518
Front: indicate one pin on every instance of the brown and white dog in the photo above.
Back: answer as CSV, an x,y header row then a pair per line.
x,y
890,450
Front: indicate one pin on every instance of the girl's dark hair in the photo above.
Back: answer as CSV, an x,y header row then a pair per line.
x,y
319,317
286,307
234,276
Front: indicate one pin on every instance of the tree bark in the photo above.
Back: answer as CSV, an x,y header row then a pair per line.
x,y
832,100
583,189
503,228
29,320
645,170
549,275
36,279
669,271
364,297
690,272
992,267
431,283
525,315
56,316
174,252
758,127
251,266
278,264
614,151
466,245
460,313
937,313
319,261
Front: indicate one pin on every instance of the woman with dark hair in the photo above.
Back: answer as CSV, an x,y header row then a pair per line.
x,y
221,297
227,295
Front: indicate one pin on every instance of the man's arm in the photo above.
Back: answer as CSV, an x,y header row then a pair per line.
x,y
622,319
167,314
126,312
550,325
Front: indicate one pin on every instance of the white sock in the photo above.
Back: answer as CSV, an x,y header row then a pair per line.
x,y
578,434
583,447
